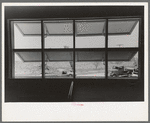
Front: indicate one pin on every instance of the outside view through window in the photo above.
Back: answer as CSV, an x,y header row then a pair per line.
x,y
24,67
125,67
89,50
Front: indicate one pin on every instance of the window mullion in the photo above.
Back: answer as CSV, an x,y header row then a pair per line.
x,y
74,49
106,51
11,49
139,47
43,56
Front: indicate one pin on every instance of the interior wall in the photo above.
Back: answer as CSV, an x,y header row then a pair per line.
x,y
17,90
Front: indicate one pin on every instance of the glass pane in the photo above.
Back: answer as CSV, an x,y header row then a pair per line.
x,y
58,34
90,64
87,27
59,64
123,64
27,65
59,56
90,34
27,34
123,33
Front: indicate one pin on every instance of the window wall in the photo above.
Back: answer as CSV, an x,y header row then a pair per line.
x,y
89,48
26,46
58,49
76,49
123,48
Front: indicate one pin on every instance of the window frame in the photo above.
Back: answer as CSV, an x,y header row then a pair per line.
x,y
43,50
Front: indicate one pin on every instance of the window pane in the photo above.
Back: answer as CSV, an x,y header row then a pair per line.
x,y
27,34
59,64
58,34
27,65
123,33
123,64
90,34
59,56
90,64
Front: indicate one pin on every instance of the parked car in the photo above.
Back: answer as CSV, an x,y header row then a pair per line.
x,y
121,72
135,72
67,73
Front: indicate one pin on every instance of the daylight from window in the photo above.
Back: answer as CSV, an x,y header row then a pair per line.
x,y
28,65
123,33
123,67
85,49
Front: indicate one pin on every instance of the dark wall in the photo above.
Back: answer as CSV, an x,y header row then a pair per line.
x,y
71,12
57,90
